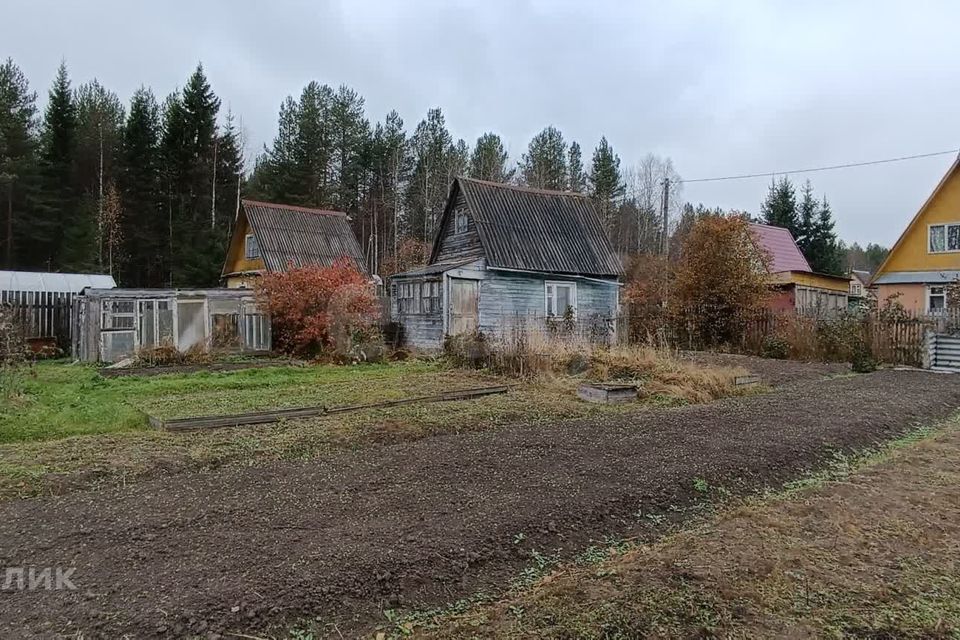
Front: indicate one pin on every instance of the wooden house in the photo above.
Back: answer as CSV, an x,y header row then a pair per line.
x,y
796,287
272,237
505,255
926,257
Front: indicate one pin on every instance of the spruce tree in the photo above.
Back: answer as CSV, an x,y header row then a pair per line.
x,y
56,219
489,159
390,168
577,180
544,165
606,183
807,213
145,223
824,251
780,207
18,166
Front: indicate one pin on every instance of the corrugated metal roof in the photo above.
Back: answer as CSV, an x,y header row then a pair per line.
x,y
432,269
784,253
538,230
53,282
298,236
917,277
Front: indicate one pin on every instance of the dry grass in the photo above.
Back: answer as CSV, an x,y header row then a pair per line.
x,y
871,554
657,370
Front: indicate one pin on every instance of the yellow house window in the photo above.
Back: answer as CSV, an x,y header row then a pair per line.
x,y
944,237
251,250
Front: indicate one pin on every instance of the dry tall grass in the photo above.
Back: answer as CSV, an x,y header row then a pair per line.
x,y
656,369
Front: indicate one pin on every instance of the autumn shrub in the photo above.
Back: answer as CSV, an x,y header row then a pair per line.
x,y
15,355
320,310
719,280
644,297
410,254
167,355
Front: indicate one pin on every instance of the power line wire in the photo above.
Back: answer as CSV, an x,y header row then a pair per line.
x,y
771,174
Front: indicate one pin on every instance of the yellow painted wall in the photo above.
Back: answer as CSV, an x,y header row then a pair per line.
x,y
236,261
913,297
911,254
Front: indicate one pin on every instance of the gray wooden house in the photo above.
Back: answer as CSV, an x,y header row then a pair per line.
x,y
506,255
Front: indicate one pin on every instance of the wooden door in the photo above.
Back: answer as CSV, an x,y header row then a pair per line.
x,y
464,307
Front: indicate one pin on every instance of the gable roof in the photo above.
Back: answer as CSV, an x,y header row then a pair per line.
x,y
299,236
534,229
784,253
916,218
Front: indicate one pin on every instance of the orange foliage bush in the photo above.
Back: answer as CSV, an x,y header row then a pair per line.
x,y
318,309
721,279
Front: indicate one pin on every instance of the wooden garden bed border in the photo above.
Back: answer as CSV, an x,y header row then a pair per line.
x,y
107,372
267,417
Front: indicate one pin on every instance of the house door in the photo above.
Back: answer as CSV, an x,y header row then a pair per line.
x,y
464,305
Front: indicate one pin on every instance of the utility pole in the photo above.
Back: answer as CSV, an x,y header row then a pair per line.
x,y
665,207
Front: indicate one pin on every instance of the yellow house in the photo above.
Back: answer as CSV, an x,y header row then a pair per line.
x,y
272,237
927,256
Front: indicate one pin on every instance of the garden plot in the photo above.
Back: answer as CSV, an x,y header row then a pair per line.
x,y
418,523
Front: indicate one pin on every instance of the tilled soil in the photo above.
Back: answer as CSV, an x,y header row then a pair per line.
x,y
244,549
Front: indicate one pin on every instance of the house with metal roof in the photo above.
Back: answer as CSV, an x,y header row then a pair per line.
x,y
270,237
505,256
926,257
796,287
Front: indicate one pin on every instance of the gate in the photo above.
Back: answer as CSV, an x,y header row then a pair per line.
x,y
944,351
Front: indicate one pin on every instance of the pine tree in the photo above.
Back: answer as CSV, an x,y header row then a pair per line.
x,y
780,207
144,227
430,145
606,183
577,181
350,137
18,165
390,168
544,165
489,160
313,148
56,220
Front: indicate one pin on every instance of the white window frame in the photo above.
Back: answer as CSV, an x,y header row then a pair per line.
x,y
856,289
461,223
931,294
548,294
251,255
946,236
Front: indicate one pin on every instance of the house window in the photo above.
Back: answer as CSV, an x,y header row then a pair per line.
x,y
409,298
936,299
251,251
461,222
856,289
561,296
117,314
430,293
944,237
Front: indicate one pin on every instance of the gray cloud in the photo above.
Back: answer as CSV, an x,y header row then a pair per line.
x,y
722,88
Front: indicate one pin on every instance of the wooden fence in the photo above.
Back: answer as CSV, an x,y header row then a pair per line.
x,y
45,317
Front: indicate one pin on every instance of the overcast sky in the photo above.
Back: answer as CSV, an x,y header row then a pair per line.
x,y
720,87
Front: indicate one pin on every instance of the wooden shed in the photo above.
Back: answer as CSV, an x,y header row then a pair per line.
x,y
42,303
506,255
113,324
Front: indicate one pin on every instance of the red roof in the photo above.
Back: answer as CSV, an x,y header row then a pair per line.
x,y
784,253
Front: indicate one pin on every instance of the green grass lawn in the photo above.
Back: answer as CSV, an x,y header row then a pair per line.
x,y
60,400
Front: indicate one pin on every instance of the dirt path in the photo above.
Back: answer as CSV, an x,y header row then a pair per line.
x,y
246,549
